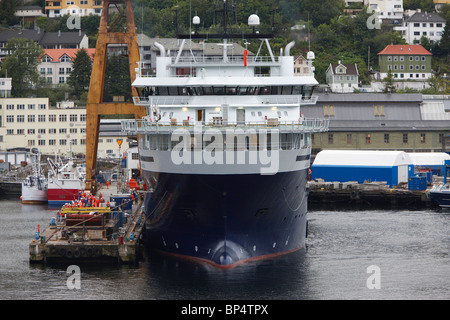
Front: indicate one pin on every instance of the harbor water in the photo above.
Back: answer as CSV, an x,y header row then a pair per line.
x,y
350,255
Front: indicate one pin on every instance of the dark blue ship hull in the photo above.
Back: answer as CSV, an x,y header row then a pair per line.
x,y
226,220
442,198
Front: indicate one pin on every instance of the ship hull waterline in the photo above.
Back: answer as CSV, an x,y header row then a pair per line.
x,y
226,220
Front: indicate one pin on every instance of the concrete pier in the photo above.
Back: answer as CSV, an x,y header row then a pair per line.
x,y
369,195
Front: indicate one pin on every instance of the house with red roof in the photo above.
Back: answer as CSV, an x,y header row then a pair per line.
x,y
56,64
406,62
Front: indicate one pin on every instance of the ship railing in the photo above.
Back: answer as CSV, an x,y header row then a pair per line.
x,y
146,126
161,100
287,100
239,59
279,100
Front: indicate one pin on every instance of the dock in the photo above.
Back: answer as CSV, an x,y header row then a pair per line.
x,y
93,234
374,194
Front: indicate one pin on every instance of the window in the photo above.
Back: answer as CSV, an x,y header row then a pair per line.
x,y
42,70
41,131
328,111
52,142
9,118
62,142
9,107
82,117
31,131
349,138
368,137
378,111
31,143
73,118
31,118
61,70
42,106
405,138
386,138
52,131
62,130
20,107
62,117
52,118
49,71
31,107
61,79
46,58
9,131
41,118
422,138
41,142
73,130
20,131
330,138
21,118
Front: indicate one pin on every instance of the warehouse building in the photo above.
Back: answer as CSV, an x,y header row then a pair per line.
x,y
392,167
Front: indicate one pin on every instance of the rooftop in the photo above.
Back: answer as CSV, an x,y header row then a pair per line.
x,y
414,49
426,17
56,54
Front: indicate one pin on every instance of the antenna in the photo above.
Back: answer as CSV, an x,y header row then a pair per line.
x,y
309,36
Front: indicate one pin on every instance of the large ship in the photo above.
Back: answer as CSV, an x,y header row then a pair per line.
x,y
225,151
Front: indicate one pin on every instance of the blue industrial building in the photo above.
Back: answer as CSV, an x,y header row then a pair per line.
x,y
392,167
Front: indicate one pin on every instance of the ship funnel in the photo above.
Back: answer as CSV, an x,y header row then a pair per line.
x,y
161,49
288,48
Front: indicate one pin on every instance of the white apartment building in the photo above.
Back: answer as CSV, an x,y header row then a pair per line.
x,y
430,25
33,123
387,9
56,64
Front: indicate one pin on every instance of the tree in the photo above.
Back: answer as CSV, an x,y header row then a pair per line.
x,y
388,81
21,65
7,13
80,76
117,78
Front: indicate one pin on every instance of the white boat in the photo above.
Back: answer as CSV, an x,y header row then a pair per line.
x,y
35,186
65,181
